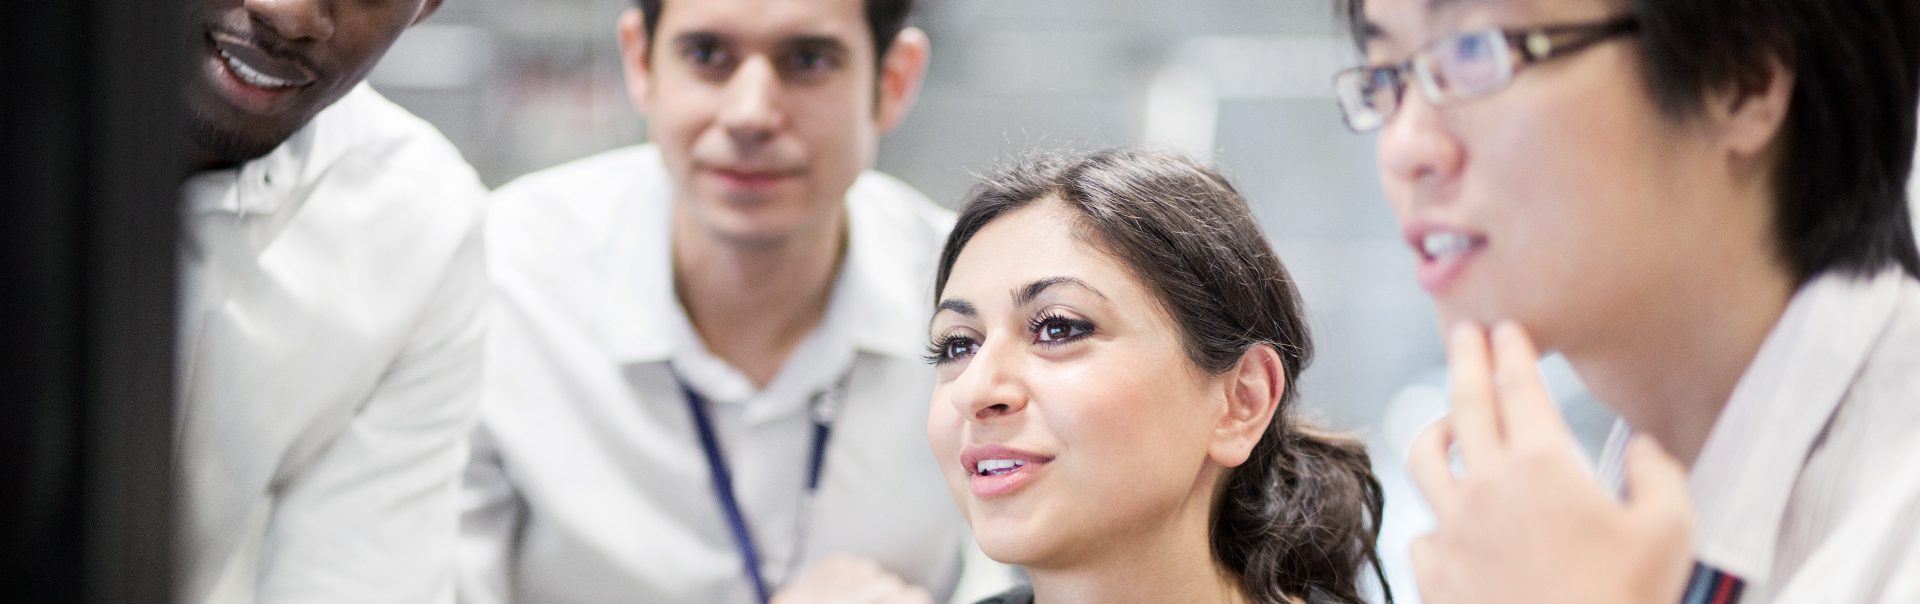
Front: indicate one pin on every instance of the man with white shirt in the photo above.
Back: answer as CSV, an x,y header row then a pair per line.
x,y
705,381
1702,205
330,337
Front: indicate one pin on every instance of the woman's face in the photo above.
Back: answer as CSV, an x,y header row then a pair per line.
x,y
1067,415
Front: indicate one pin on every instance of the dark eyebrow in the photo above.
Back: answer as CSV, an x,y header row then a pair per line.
x,y
963,307
1024,295
694,39
827,45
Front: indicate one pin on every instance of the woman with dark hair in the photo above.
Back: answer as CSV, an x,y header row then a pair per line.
x,y
1117,347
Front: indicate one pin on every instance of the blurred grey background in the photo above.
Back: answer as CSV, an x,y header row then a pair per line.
x,y
521,85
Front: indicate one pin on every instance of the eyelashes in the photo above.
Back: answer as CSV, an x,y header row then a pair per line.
x,y
1046,329
941,350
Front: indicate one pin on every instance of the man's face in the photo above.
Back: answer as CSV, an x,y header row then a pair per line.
x,y
1573,194
764,111
266,67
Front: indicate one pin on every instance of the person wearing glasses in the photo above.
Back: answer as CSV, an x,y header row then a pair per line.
x,y
1702,206
704,381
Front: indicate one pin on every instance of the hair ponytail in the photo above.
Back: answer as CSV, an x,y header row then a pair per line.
x,y
1300,518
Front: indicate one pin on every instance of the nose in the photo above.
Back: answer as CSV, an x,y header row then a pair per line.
x,y
990,387
295,19
1416,145
751,111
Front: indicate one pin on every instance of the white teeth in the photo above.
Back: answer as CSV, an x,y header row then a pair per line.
x,y
1445,244
989,465
248,74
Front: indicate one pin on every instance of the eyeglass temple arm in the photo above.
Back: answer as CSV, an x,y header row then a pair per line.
x,y
1541,44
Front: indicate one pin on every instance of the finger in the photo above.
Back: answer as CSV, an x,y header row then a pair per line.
x,y
1476,425
1432,471
1656,482
1526,408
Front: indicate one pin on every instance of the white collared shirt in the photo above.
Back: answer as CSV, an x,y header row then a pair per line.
x,y
1808,486
329,357
589,483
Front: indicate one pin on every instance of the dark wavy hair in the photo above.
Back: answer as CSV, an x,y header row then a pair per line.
x,y
1841,185
1301,516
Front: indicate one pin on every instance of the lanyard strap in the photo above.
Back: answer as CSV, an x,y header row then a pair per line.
x,y
722,479
1709,585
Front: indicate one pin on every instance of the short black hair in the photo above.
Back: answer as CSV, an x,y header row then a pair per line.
x,y
1841,185
885,20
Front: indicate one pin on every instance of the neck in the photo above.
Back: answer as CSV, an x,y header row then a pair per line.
x,y
752,303
1170,562
1669,371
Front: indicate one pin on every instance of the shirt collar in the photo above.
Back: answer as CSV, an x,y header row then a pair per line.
x,y
1745,474
878,303
264,184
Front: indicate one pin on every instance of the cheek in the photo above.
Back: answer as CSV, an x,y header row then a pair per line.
x,y
1132,427
943,427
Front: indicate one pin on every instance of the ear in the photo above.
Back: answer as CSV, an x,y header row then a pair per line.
x,y
426,10
1751,117
633,56
1253,396
900,76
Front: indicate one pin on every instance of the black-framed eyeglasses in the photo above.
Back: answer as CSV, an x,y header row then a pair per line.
x,y
1462,66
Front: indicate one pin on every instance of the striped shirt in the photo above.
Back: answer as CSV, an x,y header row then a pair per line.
x,y
1808,487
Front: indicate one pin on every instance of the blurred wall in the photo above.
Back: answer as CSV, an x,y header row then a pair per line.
x,y
525,85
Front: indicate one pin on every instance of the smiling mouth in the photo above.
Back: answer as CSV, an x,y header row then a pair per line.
x,y
997,467
1443,245
256,67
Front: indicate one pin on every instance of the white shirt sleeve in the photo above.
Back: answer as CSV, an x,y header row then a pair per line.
x,y
374,518
491,513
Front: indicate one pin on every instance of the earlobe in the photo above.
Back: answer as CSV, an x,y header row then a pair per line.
x,y
633,56
1253,397
901,73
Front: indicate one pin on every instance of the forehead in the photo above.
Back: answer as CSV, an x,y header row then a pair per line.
x,y
768,19
1041,240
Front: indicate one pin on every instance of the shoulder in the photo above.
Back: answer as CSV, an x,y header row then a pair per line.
x,y
368,132
577,197
1892,369
898,217
575,206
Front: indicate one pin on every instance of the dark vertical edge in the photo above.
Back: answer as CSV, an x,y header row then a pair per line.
x,y
135,162
39,171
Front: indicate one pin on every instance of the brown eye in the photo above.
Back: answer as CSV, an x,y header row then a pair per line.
x,y
1055,330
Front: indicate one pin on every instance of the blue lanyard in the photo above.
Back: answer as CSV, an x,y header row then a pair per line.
x,y
723,484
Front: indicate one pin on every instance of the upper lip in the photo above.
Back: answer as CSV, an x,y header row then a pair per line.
x,y
972,456
272,63
1416,234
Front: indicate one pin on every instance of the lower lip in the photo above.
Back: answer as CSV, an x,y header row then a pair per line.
x,y
1000,485
247,97
749,182
1437,275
